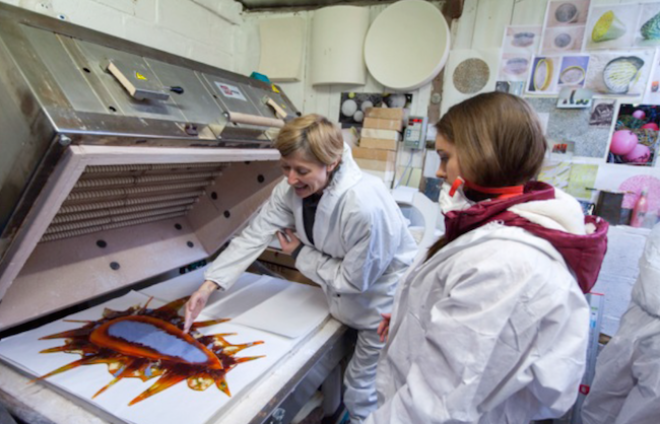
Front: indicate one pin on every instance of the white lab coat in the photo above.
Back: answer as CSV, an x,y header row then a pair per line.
x,y
361,250
492,329
626,389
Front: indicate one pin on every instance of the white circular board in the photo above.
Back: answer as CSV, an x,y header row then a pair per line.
x,y
407,45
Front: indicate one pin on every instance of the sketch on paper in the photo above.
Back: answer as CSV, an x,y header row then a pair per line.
x,y
573,71
611,27
564,26
543,76
520,43
621,74
521,39
146,343
648,26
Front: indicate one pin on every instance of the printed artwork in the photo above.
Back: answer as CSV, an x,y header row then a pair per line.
x,y
573,71
354,105
635,137
468,72
543,76
556,173
619,73
582,180
519,45
145,343
611,26
648,27
564,26
602,113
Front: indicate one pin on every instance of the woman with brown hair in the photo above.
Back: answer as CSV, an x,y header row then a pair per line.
x,y
351,239
492,327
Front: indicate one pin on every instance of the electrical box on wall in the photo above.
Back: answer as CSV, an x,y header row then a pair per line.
x,y
414,136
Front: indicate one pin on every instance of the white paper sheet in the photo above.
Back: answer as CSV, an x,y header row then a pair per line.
x,y
292,313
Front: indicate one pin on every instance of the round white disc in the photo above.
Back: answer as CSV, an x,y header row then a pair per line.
x,y
407,45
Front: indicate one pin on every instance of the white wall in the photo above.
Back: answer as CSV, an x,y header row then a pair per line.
x,y
323,99
202,30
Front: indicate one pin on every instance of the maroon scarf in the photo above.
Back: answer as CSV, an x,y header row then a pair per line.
x,y
583,253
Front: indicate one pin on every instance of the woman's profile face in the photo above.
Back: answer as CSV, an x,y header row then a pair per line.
x,y
449,169
306,176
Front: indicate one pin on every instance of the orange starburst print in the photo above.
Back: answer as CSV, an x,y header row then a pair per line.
x,y
147,343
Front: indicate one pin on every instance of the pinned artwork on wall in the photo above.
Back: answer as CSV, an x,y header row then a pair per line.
x,y
520,43
544,74
354,105
652,93
564,26
512,87
632,182
611,27
468,72
648,27
573,71
574,98
572,125
582,180
602,113
514,66
521,39
556,173
619,73
635,137
562,40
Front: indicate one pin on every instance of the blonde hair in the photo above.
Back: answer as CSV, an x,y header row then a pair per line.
x,y
313,134
498,138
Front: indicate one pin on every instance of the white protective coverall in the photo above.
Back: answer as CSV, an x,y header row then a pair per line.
x,y
492,329
626,389
361,250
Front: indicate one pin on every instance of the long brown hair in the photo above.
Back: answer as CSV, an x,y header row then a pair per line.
x,y
499,141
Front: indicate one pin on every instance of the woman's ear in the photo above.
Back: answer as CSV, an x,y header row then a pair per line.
x,y
333,166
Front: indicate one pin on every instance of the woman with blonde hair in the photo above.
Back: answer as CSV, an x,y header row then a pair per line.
x,y
350,238
492,327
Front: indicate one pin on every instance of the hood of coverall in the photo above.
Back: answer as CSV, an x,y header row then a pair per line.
x,y
646,292
548,213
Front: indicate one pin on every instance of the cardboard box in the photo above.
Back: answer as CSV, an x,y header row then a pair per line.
x,y
383,124
382,134
376,165
386,176
374,154
374,143
385,113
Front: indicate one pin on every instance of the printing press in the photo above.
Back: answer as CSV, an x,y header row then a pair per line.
x,y
120,166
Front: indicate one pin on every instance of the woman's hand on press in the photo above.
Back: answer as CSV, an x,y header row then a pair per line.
x,y
288,241
384,327
197,302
